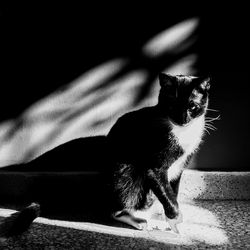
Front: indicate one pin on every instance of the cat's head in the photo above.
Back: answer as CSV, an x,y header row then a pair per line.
x,y
183,98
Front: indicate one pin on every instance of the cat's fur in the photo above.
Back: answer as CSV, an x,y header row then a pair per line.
x,y
151,147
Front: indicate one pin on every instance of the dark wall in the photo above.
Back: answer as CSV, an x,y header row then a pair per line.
x,y
44,47
224,53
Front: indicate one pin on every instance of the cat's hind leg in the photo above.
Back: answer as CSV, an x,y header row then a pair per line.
x,y
129,219
128,194
152,218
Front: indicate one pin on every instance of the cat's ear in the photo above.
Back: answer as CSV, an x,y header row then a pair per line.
x,y
168,85
167,80
205,83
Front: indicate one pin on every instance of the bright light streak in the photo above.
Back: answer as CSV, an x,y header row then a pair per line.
x,y
171,40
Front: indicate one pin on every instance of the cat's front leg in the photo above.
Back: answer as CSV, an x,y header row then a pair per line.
x,y
174,222
159,184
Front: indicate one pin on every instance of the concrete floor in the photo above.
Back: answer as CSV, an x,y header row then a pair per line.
x,y
207,225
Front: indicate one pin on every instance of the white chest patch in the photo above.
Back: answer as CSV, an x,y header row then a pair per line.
x,y
188,137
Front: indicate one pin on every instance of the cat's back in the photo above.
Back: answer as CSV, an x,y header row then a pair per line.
x,y
138,135
134,123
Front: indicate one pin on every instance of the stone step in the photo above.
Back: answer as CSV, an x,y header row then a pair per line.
x,y
74,187
210,185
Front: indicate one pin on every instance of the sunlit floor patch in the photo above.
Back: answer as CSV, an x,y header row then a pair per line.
x,y
207,224
202,225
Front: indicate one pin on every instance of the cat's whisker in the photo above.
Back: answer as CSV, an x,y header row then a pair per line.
x,y
209,120
210,124
211,127
207,131
213,110
212,118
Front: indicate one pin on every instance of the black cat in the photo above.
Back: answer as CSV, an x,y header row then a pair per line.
x,y
151,147
148,150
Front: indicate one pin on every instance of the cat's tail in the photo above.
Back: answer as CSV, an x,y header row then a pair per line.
x,y
19,222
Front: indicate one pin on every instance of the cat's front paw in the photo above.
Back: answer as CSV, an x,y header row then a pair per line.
x,y
154,224
174,222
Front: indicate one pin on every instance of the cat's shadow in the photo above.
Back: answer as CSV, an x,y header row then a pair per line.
x,y
70,182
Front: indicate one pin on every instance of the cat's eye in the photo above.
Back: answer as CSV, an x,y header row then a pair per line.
x,y
193,107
